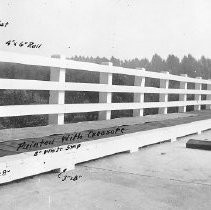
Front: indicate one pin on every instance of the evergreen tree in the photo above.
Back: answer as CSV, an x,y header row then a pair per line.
x,y
173,64
189,66
157,64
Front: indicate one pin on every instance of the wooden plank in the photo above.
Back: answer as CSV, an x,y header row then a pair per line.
x,y
40,131
71,134
56,140
22,84
21,110
19,84
199,144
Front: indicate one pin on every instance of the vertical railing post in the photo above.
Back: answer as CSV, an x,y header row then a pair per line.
x,y
198,86
105,78
208,97
139,97
163,97
57,97
183,97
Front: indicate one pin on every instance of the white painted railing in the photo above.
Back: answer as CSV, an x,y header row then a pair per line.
x,y
57,87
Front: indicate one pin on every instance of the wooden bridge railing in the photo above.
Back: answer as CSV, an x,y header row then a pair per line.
x,y
57,87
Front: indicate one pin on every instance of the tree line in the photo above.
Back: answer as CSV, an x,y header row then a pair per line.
x,y
187,65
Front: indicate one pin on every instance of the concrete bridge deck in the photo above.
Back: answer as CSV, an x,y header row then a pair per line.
x,y
162,176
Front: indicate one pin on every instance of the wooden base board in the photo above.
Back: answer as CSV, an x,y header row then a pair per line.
x,y
27,164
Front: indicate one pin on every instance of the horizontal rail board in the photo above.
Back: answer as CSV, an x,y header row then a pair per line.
x,y
18,84
77,65
21,110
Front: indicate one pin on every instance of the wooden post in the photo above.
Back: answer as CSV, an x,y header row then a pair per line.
x,y
183,97
105,78
208,97
164,83
139,97
198,86
57,97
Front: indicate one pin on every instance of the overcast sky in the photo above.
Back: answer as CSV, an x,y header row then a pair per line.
x,y
122,28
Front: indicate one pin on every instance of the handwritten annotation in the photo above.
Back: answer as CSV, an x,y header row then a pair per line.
x,y
57,149
4,172
3,24
69,138
23,44
63,176
39,144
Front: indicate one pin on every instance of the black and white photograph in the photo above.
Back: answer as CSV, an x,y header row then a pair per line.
x,y
105,104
